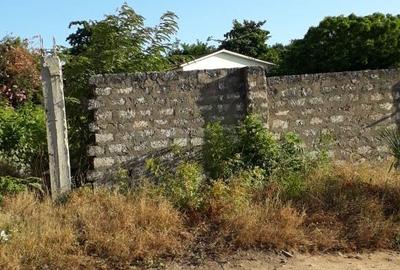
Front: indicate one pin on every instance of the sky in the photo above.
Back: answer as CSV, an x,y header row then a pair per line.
x,y
198,20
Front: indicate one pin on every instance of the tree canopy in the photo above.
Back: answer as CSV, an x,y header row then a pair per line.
x,y
19,72
185,52
120,42
346,43
247,38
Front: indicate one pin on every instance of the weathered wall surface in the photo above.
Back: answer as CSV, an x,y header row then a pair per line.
x,y
351,107
136,115
139,114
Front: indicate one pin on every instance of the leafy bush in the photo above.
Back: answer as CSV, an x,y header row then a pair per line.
x,y
19,72
218,150
256,146
23,138
250,146
181,185
12,185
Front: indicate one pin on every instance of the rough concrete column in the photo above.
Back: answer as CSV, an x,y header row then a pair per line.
x,y
256,92
57,137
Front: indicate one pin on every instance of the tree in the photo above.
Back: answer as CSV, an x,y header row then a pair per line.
x,y
247,38
19,72
123,43
346,43
276,53
184,52
118,43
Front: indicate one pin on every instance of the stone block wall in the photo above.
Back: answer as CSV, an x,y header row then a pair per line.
x,y
349,107
136,115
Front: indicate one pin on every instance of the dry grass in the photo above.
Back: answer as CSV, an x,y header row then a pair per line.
x,y
344,208
353,207
124,228
89,231
270,224
246,220
40,236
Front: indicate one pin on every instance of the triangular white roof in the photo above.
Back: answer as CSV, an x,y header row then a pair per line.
x,y
224,59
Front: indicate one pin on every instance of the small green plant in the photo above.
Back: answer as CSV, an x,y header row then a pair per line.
x,y
219,151
292,184
392,138
11,185
184,188
182,185
256,145
291,153
121,179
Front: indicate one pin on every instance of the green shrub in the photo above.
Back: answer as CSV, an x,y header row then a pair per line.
x,y
184,189
23,138
182,185
12,185
218,151
256,145
250,151
251,146
292,184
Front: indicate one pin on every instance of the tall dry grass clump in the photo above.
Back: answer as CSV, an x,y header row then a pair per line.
x,y
39,236
127,228
250,221
271,224
353,207
91,230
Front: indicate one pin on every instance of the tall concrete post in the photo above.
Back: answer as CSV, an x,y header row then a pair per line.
x,y
56,123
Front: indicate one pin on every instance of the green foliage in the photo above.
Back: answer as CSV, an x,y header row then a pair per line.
x,y
250,153
256,146
181,185
218,150
392,138
292,184
247,38
346,43
250,146
275,54
23,138
118,43
185,187
19,72
122,43
291,153
185,52
12,185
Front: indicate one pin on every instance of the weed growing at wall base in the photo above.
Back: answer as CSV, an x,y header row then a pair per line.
x,y
250,146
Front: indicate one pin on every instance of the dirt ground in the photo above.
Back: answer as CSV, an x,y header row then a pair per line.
x,y
384,260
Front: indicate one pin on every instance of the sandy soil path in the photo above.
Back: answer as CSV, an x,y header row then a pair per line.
x,y
385,260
